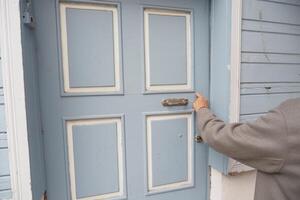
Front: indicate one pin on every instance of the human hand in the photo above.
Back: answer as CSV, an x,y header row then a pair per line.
x,y
200,102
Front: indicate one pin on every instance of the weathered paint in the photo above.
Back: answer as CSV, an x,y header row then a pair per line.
x,y
38,180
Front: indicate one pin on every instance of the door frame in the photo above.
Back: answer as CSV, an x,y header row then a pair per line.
x,y
235,167
216,177
14,94
235,60
14,98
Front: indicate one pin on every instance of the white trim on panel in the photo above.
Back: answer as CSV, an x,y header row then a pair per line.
x,y
64,46
176,87
121,156
151,189
14,96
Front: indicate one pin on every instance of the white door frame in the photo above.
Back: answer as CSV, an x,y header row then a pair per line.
x,y
235,60
235,167
14,98
14,93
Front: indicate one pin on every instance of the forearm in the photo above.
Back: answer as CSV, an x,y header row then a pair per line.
x,y
217,133
260,144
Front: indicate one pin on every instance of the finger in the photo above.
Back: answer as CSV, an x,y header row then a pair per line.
x,y
194,106
198,94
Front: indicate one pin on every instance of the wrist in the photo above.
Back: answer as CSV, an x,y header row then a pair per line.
x,y
201,107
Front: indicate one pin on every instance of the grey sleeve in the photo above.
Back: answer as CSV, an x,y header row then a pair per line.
x,y
261,144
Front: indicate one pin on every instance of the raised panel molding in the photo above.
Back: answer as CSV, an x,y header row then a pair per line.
x,y
116,121
183,81
172,138
111,81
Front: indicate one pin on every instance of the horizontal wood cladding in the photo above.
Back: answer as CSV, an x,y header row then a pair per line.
x,y
270,43
1,98
2,119
269,88
4,183
254,73
270,58
269,27
3,140
270,69
5,194
1,81
4,166
262,103
288,2
286,12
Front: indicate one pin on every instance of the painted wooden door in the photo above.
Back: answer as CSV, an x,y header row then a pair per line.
x,y
104,69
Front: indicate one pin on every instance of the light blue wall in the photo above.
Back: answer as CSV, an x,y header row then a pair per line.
x,y
38,180
5,186
270,55
219,73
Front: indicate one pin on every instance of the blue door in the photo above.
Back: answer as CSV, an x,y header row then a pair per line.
x,y
117,81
